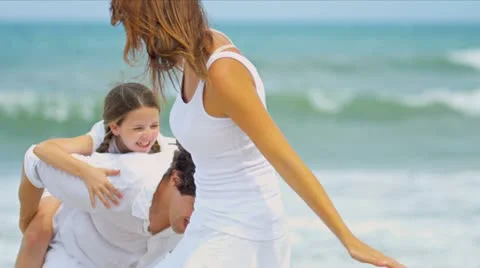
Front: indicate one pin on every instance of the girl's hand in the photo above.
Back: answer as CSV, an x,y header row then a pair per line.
x,y
98,185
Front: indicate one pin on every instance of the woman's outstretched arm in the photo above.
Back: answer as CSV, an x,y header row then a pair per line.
x,y
232,89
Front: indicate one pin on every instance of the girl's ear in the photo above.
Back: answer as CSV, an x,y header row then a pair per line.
x,y
114,128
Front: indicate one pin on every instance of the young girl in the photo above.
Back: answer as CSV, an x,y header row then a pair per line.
x,y
130,124
220,117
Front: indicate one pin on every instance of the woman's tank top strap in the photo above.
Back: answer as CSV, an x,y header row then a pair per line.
x,y
222,48
227,46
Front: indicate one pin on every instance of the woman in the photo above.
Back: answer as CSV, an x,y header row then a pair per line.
x,y
220,117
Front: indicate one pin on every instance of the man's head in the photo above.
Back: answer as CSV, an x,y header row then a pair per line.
x,y
177,190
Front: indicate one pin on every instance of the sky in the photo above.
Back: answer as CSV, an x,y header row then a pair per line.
x,y
269,10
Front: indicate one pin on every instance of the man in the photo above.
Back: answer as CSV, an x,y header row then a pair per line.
x,y
145,225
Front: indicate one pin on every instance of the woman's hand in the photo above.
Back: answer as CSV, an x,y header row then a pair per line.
x,y
98,185
364,253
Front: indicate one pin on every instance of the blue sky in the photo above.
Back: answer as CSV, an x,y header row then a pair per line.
x,y
248,10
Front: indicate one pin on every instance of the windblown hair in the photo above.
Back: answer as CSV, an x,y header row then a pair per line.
x,y
170,30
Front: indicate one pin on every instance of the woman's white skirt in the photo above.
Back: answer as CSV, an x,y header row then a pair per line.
x,y
202,247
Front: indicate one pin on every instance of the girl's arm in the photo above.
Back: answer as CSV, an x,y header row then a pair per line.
x,y
65,187
57,153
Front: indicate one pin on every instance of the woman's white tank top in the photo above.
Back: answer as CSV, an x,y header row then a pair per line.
x,y
237,188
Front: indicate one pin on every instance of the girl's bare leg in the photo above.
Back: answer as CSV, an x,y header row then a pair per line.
x,y
38,235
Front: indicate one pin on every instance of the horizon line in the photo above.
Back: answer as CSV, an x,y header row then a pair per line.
x,y
254,21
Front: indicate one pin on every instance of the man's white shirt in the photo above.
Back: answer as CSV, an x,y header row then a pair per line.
x,y
106,237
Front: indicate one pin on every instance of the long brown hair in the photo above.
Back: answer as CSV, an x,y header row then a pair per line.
x,y
170,30
121,100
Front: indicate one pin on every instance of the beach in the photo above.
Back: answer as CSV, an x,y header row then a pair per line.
x,y
386,115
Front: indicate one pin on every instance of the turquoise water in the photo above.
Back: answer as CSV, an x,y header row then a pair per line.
x,y
386,115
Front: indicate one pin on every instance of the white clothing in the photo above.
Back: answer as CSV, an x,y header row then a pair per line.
x,y
97,133
207,248
58,257
101,237
158,247
237,188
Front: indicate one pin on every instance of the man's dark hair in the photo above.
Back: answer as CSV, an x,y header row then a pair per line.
x,y
182,162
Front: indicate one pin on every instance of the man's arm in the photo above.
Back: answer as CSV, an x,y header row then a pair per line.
x,y
69,189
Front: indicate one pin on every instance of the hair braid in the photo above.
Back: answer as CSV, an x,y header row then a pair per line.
x,y
103,148
156,147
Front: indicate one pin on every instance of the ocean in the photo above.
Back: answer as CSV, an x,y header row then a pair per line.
x,y
387,116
